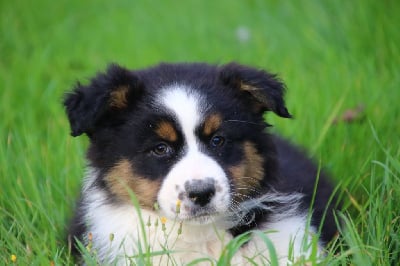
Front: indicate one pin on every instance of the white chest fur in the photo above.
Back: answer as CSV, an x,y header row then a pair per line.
x,y
172,243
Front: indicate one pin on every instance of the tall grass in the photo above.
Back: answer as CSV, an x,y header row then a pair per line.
x,y
333,56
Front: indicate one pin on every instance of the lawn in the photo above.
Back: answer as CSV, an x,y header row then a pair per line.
x,y
340,61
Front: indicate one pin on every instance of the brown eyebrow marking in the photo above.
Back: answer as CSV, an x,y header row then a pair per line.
x,y
166,131
211,124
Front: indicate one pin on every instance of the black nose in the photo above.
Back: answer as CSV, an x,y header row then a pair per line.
x,y
200,192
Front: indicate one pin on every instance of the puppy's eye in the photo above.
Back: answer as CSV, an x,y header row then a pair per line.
x,y
161,149
217,141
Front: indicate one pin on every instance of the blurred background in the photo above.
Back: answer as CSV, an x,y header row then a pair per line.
x,y
339,59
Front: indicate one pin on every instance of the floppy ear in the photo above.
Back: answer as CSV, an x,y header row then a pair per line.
x,y
262,91
107,95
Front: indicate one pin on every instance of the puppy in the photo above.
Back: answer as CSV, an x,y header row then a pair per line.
x,y
180,162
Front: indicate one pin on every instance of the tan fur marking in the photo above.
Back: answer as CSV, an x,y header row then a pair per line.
x,y
247,87
122,178
167,131
262,100
211,124
248,174
118,97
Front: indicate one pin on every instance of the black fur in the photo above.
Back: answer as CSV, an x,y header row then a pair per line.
x,y
87,106
242,94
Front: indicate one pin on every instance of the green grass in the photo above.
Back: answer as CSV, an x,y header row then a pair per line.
x,y
333,55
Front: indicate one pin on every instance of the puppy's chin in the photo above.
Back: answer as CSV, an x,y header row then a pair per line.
x,y
196,216
217,220
200,220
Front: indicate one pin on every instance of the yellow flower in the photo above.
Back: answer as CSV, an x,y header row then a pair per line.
x,y
90,243
178,206
163,221
90,236
13,258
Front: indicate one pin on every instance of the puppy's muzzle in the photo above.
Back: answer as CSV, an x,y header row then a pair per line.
x,y
200,192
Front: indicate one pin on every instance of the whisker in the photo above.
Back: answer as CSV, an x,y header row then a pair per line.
x,y
248,189
249,177
242,213
242,197
247,122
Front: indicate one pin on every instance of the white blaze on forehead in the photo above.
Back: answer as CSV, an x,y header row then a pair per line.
x,y
186,106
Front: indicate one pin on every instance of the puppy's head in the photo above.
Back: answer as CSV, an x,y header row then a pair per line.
x,y
188,136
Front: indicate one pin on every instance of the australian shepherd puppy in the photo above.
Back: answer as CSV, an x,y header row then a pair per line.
x,y
180,163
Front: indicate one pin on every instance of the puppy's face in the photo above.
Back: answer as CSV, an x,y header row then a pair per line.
x,y
189,137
